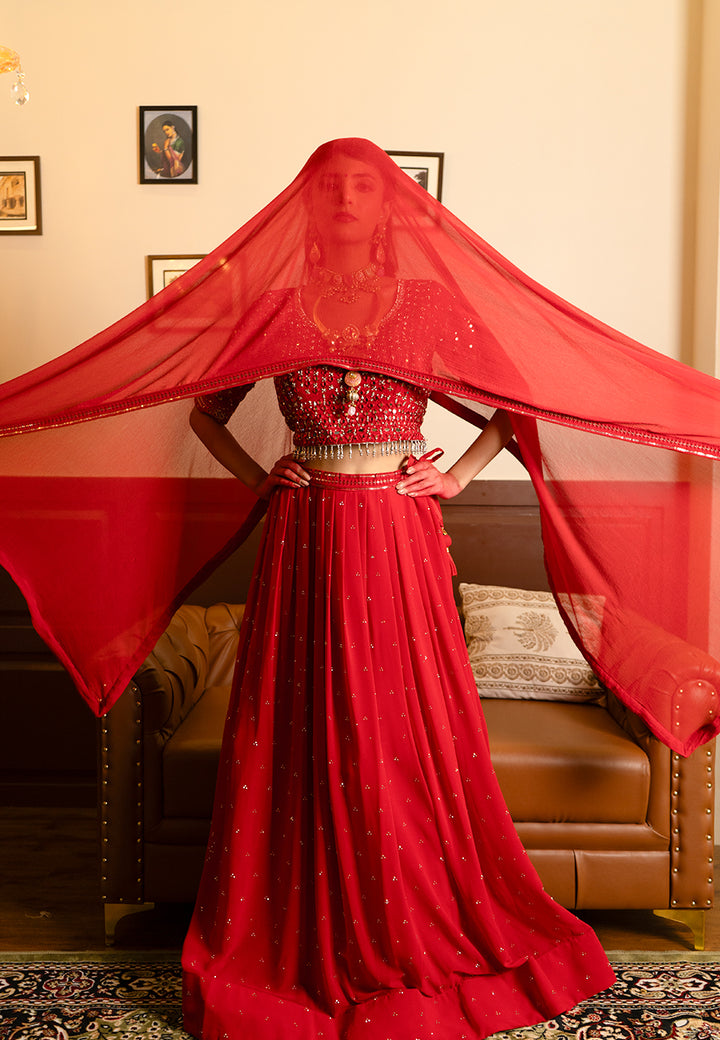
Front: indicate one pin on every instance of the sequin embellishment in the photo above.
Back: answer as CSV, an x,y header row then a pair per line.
x,y
325,422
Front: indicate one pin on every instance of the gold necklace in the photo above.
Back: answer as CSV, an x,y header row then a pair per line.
x,y
345,339
347,287
351,335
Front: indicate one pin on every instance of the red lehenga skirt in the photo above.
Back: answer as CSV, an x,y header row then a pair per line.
x,y
363,879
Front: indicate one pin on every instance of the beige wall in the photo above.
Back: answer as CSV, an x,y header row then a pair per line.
x,y
702,200
561,123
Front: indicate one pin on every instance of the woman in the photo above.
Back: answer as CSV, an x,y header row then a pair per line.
x,y
363,877
173,152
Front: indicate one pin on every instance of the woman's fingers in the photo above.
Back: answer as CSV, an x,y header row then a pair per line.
x,y
288,473
290,470
421,478
285,473
287,464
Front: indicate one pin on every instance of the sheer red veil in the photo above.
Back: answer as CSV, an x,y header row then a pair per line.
x,y
112,509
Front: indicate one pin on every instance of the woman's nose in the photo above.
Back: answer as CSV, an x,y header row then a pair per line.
x,y
345,191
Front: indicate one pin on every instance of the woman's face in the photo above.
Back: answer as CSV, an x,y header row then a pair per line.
x,y
348,201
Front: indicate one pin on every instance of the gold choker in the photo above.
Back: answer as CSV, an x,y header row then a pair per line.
x,y
347,287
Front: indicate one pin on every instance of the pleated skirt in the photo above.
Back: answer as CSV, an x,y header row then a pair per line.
x,y
363,878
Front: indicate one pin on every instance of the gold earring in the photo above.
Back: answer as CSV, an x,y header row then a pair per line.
x,y
378,241
314,253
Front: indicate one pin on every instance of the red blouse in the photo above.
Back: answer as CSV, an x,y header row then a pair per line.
x,y
319,406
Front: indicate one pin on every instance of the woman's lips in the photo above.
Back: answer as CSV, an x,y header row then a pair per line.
x,y
344,218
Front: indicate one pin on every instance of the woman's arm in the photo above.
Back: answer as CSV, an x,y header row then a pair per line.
x,y
423,477
223,446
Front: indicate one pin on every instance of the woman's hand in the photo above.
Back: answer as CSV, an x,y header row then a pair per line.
x,y
285,473
422,477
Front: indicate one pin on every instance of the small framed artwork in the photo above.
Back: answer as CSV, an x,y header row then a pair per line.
x,y
162,270
168,144
424,167
20,212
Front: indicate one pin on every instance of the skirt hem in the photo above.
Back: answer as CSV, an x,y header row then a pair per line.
x,y
472,1007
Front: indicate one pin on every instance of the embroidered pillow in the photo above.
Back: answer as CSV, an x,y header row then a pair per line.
x,y
520,648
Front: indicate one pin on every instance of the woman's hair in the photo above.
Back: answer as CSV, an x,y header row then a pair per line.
x,y
362,150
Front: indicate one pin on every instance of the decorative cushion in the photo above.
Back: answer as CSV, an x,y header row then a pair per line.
x,y
519,647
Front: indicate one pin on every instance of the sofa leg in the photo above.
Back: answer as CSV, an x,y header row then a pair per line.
x,y
113,913
694,919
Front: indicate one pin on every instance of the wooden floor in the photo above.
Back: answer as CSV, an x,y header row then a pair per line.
x,y
50,897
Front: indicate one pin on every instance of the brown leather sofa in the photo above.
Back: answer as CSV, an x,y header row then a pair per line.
x,y
610,817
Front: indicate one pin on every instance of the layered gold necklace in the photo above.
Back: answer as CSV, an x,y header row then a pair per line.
x,y
347,289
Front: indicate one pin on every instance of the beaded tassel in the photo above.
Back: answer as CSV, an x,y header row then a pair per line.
x,y
312,452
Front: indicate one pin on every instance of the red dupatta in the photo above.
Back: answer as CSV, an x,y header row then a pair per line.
x,y
112,510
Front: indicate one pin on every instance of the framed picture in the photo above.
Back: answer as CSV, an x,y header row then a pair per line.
x,y
424,167
162,270
168,144
20,212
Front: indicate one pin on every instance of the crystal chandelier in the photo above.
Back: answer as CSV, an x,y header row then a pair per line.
x,y
10,62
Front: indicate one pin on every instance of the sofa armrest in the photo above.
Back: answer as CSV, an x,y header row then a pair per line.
x,y
667,680
659,757
132,737
197,650
692,804
120,778
681,806
173,676
198,647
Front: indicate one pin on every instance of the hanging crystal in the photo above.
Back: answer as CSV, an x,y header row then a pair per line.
x,y
18,91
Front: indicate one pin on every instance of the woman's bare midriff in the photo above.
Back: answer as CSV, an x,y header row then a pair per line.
x,y
359,463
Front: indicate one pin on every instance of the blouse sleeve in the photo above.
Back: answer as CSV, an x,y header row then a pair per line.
x,y
221,405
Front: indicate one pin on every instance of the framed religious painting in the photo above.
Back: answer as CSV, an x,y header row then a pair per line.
x,y
161,270
20,212
168,144
424,167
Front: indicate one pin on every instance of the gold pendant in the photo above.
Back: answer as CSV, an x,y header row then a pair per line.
x,y
352,382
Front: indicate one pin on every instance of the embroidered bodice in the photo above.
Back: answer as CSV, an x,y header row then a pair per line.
x,y
315,404
387,413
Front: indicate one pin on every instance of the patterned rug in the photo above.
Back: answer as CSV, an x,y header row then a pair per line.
x,y
118,999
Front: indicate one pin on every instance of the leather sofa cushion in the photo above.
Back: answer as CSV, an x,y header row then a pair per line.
x,y
190,757
559,762
555,762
